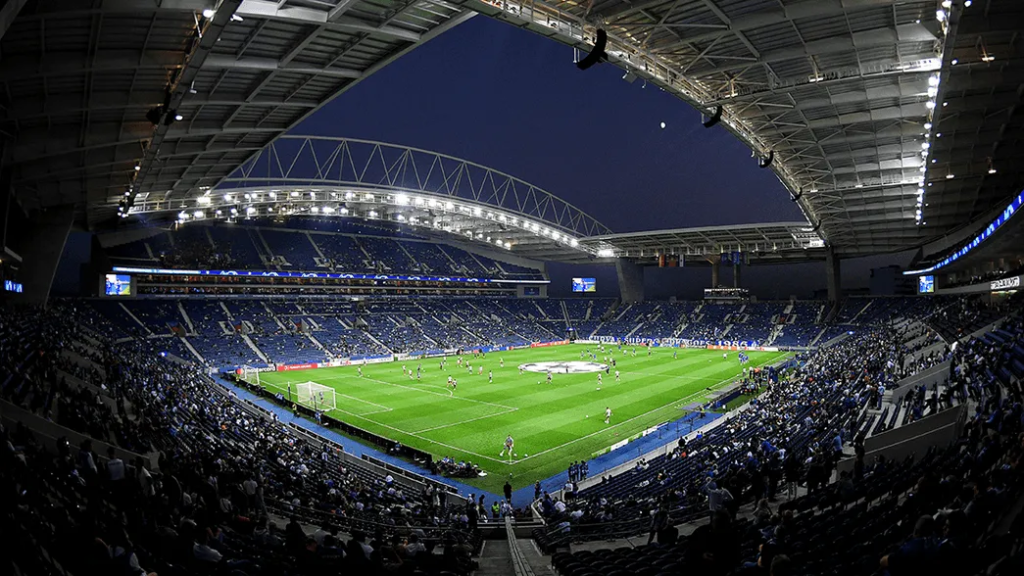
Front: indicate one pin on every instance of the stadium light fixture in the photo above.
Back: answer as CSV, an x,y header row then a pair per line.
x,y
605,253
208,13
343,211
250,210
198,214
204,200
294,194
314,209
402,199
228,198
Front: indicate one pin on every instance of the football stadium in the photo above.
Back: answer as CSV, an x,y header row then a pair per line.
x,y
487,287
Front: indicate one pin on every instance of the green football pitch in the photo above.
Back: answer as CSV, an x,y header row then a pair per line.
x,y
552,424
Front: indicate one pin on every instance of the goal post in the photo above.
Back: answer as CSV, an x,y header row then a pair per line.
x,y
251,375
315,396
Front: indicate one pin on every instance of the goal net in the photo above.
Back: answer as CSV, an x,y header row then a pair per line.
x,y
316,396
251,375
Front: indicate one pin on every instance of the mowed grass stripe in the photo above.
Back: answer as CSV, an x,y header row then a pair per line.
x,y
548,421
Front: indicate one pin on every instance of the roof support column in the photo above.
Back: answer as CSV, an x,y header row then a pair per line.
x,y
43,250
736,275
833,276
631,281
714,274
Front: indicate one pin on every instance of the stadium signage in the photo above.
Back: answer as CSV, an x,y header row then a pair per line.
x,y
546,344
289,367
321,275
1006,283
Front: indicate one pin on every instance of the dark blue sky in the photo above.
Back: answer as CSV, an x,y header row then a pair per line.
x,y
512,100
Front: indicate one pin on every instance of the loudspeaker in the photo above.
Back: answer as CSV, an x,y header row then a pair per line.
x,y
597,54
714,118
766,161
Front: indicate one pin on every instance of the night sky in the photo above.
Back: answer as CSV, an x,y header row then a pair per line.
x,y
512,100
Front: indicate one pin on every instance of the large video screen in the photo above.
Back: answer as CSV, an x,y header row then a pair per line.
x,y
925,284
584,285
118,285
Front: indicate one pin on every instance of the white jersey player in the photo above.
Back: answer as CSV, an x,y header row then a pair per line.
x,y
607,415
360,369
490,376
617,376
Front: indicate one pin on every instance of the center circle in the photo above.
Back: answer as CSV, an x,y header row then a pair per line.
x,y
570,367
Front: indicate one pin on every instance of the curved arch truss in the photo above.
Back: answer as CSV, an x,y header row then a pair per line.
x,y
310,175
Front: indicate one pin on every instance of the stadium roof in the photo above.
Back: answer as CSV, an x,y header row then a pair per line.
x,y
80,76
841,95
761,242
844,99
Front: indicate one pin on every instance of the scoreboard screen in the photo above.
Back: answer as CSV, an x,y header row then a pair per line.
x,y
118,285
584,285
925,284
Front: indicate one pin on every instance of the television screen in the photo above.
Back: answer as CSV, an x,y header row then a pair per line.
x,y
925,284
118,285
584,285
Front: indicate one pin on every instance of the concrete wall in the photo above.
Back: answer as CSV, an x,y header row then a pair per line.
x,y
936,374
915,439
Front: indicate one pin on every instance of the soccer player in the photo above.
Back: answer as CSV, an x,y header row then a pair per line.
x,y
725,355
501,362
490,376
549,376
675,354
607,415
360,369
617,376
599,378
480,371
455,384
449,380
509,445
